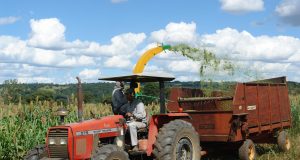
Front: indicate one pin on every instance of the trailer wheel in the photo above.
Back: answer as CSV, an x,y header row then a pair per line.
x,y
177,140
283,141
247,150
110,152
36,153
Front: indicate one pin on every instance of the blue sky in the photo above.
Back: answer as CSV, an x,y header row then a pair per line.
x,y
54,41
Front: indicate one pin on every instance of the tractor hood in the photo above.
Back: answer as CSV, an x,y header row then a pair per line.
x,y
95,125
102,126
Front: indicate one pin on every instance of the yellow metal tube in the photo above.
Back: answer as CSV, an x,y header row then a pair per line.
x,y
144,59
142,62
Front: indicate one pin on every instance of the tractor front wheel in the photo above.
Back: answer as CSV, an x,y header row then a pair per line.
x,y
177,140
110,152
36,153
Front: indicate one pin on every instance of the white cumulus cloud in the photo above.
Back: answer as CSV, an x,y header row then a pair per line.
x,y
89,74
272,67
47,33
39,79
14,50
118,62
289,11
244,46
47,47
184,66
270,55
8,20
123,44
153,68
186,78
175,33
241,6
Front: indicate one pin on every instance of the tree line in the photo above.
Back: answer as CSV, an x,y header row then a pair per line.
x,y
13,92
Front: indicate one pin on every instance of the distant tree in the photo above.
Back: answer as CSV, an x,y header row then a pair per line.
x,y
150,93
44,94
88,97
62,98
106,99
11,91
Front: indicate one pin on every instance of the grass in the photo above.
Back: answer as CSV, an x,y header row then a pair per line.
x,y
24,126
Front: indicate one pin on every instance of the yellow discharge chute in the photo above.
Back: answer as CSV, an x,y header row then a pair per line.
x,y
145,58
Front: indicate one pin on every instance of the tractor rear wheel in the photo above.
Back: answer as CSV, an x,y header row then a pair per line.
x,y
110,152
36,153
177,140
283,141
247,150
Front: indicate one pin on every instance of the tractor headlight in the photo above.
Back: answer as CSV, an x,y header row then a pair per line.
x,y
51,141
63,141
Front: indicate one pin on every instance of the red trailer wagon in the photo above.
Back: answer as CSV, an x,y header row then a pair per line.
x,y
258,112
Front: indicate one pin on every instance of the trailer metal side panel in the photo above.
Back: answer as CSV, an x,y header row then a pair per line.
x,y
275,106
285,110
251,107
263,99
265,104
211,126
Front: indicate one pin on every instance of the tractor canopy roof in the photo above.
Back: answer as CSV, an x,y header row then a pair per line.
x,y
141,77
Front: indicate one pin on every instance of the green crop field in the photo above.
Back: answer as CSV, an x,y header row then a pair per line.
x,y
24,126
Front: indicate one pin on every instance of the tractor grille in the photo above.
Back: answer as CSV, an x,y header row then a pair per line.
x,y
57,150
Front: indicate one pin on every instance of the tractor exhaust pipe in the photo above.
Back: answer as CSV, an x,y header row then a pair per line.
x,y
79,100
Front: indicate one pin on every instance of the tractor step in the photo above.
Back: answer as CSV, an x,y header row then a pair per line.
x,y
134,153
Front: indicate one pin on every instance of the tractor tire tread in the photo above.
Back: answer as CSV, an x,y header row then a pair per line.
x,y
165,139
105,153
36,151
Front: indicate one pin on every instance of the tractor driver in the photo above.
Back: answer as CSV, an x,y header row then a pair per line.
x,y
137,115
119,101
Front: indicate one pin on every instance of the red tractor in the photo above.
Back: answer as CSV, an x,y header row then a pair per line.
x,y
167,135
258,112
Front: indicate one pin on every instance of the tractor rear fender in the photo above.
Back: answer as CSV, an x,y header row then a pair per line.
x,y
156,122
